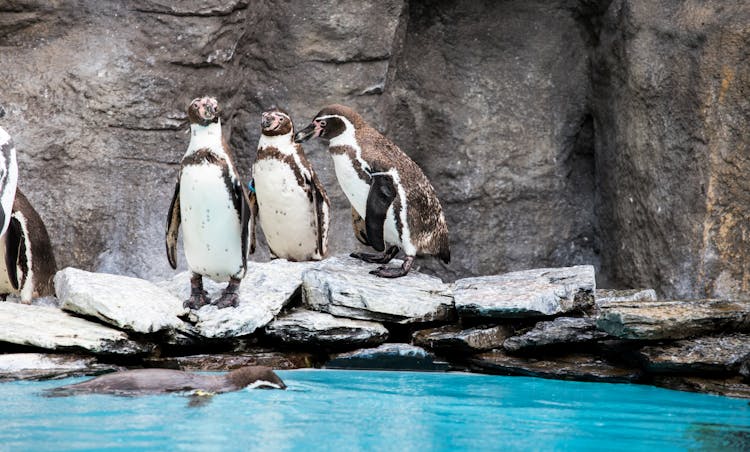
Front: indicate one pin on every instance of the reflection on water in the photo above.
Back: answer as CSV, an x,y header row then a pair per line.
x,y
362,410
719,437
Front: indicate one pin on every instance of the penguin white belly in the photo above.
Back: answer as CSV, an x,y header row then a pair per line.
x,y
355,189
211,229
286,214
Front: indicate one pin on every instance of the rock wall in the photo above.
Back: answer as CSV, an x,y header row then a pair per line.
x,y
555,132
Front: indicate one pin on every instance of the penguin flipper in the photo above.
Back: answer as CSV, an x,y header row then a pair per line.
x,y
249,217
379,199
14,240
320,200
173,226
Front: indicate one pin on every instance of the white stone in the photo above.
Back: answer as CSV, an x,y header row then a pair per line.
x,y
266,288
342,286
53,329
21,366
528,293
129,303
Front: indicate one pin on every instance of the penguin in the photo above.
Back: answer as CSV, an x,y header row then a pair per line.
x,y
293,208
213,208
29,265
400,208
8,178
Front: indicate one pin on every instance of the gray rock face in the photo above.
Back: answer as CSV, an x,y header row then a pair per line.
x,y
528,293
670,145
453,339
673,319
264,291
569,367
37,366
343,287
562,330
127,303
310,328
387,356
52,329
703,354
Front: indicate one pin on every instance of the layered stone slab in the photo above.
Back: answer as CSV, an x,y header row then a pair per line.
x,y
307,328
562,330
654,320
342,286
453,339
569,367
724,353
52,329
128,303
528,293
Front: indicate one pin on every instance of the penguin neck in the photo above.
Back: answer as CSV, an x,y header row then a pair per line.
x,y
283,143
206,137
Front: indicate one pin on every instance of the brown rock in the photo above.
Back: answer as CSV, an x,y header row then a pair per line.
x,y
561,331
702,354
453,339
730,387
567,367
673,319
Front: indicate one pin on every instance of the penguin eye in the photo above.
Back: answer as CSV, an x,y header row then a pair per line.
x,y
322,123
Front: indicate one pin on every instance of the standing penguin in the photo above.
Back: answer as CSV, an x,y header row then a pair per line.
x,y
29,265
292,204
214,210
8,178
385,187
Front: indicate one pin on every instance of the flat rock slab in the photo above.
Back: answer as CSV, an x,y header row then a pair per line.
x,y
653,320
53,329
311,328
562,330
702,354
729,387
568,367
128,303
388,356
453,339
605,296
266,288
39,366
342,286
230,361
528,293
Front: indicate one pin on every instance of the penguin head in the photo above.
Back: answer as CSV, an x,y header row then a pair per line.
x,y
276,122
203,111
330,122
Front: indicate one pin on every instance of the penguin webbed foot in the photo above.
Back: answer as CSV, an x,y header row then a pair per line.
x,y
394,272
375,258
229,298
197,300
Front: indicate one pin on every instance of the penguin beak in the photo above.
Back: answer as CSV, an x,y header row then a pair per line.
x,y
305,134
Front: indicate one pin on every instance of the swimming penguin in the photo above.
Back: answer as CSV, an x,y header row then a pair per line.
x,y
214,210
293,208
29,265
385,187
161,381
8,178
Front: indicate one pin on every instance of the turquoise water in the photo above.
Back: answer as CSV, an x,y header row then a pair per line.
x,y
357,410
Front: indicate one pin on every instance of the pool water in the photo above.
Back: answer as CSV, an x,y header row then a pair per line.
x,y
362,410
